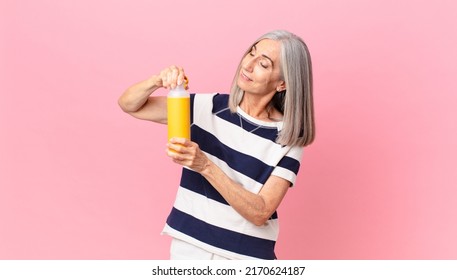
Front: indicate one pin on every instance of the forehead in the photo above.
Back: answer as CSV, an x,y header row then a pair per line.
x,y
269,48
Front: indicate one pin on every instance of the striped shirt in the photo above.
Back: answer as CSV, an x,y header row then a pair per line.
x,y
245,149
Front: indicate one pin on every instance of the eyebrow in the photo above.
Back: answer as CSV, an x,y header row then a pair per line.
x,y
272,63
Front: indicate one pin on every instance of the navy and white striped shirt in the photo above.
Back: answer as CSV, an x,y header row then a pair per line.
x,y
245,149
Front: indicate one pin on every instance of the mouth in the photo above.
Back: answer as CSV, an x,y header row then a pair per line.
x,y
245,77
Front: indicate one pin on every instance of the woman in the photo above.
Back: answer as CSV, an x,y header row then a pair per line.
x,y
244,152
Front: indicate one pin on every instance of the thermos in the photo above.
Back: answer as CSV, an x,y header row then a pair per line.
x,y
178,112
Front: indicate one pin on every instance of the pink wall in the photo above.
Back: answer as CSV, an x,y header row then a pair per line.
x,y
79,179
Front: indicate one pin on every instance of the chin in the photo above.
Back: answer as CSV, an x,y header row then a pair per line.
x,y
244,85
241,85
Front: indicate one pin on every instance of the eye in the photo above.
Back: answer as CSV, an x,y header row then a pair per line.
x,y
265,63
252,51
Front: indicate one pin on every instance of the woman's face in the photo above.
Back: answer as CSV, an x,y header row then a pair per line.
x,y
259,72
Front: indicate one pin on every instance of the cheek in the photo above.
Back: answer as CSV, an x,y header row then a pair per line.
x,y
265,78
261,75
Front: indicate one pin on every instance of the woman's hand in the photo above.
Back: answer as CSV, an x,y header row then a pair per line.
x,y
170,77
187,153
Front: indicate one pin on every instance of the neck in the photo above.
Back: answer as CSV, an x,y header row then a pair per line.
x,y
259,108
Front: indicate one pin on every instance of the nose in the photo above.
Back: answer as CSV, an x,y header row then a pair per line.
x,y
248,64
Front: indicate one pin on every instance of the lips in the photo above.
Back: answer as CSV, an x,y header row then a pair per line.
x,y
245,77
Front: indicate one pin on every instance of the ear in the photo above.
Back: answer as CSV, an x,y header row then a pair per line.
x,y
281,86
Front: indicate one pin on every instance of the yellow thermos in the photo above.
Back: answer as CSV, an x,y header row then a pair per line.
x,y
178,112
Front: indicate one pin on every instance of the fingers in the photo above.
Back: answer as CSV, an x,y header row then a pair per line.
x,y
180,146
175,152
180,141
172,77
175,155
187,153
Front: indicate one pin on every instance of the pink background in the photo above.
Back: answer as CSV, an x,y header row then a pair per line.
x,y
79,179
